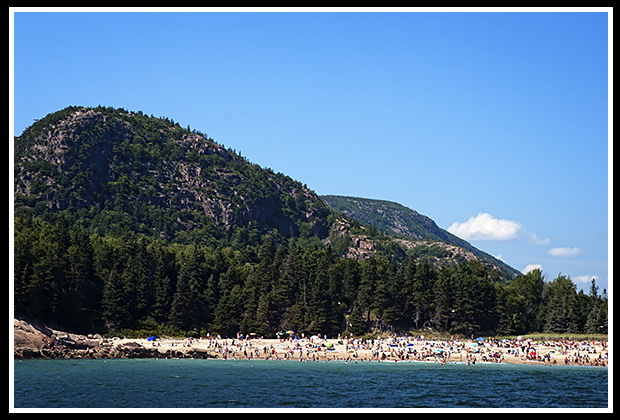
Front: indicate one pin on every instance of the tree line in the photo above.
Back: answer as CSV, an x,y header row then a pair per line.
x,y
89,283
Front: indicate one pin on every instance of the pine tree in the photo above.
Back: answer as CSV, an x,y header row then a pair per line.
x,y
81,276
286,290
442,299
162,285
393,311
115,304
560,306
136,279
596,321
265,270
187,308
319,308
367,286
261,323
227,314
420,286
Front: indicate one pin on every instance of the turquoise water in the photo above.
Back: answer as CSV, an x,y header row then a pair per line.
x,y
143,383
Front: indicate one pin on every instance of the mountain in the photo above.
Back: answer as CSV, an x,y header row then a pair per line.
x,y
414,231
113,172
125,221
117,171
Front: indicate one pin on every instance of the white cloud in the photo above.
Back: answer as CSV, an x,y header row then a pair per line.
x,y
562,252
584,279
535,240
485,227
531,267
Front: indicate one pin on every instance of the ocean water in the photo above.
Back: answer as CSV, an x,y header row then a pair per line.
x,y
175,383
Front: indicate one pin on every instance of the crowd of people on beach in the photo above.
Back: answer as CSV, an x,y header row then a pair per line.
x,y
403,348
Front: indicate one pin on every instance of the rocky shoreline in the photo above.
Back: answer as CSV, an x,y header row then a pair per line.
x,y
35,341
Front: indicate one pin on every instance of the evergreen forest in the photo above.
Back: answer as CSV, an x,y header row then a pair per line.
x,y
86,283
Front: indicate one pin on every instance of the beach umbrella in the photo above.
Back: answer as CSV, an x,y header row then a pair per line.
x,y
151,338
289,332
480,339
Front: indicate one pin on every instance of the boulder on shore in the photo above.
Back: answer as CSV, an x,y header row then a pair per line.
x,y
33,340
31,336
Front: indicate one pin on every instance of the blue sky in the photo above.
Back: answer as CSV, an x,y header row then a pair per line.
x,y
495,125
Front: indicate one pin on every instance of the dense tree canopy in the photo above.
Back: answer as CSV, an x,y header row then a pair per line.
x,y
100,283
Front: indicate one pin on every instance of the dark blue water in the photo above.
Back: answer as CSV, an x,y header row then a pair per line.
x,y
292,384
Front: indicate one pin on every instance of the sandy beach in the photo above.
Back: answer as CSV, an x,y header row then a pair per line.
x,y
35,340
396,349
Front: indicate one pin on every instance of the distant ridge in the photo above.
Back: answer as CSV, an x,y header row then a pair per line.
x,y
396,219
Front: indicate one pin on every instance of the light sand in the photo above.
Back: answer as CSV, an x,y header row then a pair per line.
x,y
394,349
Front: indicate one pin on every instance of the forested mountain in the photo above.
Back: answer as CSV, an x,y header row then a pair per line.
x,y
114,171
423,234
127,221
